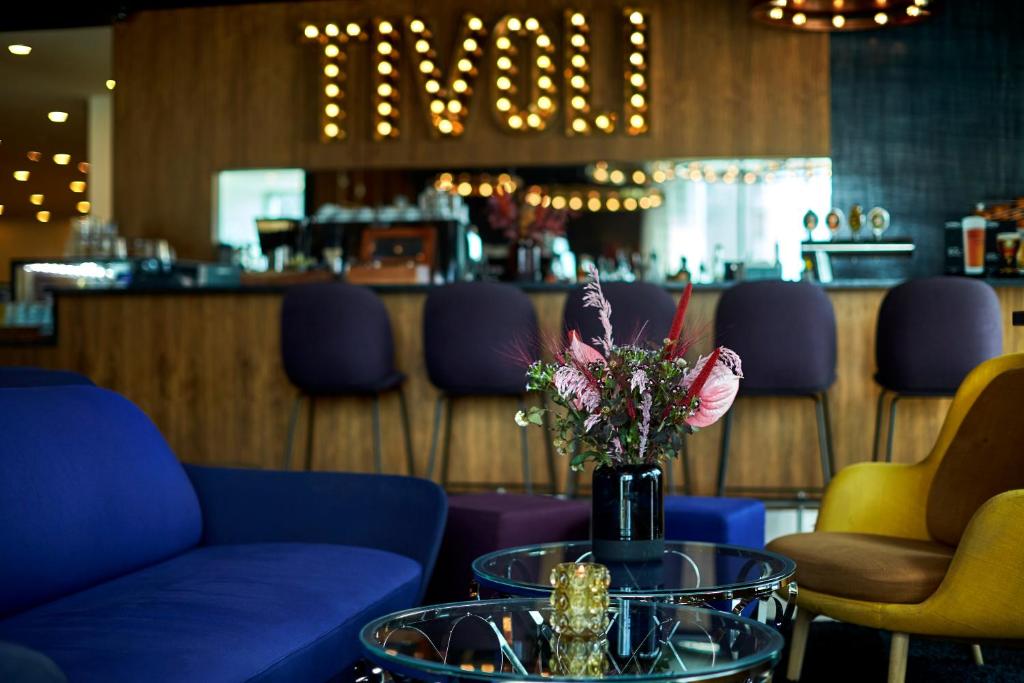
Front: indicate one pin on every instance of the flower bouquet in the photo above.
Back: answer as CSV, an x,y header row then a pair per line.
x,y
627,408
526,226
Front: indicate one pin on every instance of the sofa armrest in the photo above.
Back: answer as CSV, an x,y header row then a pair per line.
x,y
878,498
403,515
18,663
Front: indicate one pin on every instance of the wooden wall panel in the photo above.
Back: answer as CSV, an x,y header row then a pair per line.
x,y
207,369
201,90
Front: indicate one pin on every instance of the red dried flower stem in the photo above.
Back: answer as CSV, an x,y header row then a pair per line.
x,y
702,377
672,348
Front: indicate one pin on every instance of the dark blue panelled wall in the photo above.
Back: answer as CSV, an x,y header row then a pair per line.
x,y
929,119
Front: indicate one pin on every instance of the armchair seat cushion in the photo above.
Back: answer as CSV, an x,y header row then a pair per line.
x,y
866,566
263,612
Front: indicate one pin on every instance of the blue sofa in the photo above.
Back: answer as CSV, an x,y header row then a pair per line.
x,y
120,564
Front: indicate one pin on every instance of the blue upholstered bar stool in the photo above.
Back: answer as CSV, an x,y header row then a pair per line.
x,y
785,332
472,333
642,314
931,333
17,376
336,341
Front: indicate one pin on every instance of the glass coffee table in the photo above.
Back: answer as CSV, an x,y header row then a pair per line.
x,y
494,640
721,577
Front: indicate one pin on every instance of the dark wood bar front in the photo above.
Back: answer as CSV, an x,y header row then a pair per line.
x,y
206,367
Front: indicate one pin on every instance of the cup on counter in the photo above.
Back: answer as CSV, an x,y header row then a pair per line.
x,y
974,244
1008,244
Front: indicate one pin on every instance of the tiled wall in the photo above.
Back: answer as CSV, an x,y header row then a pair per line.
x,y
929,119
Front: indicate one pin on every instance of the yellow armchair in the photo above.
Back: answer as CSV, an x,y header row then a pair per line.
x,y
935,548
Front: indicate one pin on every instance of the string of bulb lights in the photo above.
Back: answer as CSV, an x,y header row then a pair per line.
x,y
559,196
706,171
839,15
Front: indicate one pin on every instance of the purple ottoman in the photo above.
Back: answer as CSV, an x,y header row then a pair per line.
x,y
485,522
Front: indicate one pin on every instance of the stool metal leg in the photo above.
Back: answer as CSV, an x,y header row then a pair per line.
x,y
684,456
723,460
572,477
309,433
548,446
826,467
404,407
378,460
446,451
877,449
438,407
826,405
292,423
892,427
670,469
524,447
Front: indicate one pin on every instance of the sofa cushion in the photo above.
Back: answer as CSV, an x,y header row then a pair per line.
x,y
866,566
89,491
265,612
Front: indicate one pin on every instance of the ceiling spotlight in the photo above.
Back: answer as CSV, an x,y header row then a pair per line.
x,y
21,176
111,84
43,216
839,21
62,159
20,50
58,116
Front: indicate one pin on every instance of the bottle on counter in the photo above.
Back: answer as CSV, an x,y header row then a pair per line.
x,y
718,264
683,274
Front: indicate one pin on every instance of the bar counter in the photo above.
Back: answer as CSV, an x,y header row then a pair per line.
x,y
186,356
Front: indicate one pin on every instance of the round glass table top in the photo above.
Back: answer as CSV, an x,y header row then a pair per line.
x,y
513,639
687,572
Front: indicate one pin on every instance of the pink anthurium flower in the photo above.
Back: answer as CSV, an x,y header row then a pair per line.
x,y
716,388
581,352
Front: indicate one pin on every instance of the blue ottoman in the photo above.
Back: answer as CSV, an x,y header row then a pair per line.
x,y
734,521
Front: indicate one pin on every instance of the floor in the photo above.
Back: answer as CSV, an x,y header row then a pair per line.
x,y
837,653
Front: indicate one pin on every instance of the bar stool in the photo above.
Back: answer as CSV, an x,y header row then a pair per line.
x,y
336,341
931,333
641,313
785,332
472,332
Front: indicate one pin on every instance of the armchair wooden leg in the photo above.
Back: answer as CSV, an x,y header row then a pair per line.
x,y
979,658
798,644
898,651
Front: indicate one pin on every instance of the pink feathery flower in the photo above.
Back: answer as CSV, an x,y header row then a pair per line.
x,y
719,387
591,421
571,383
638,381
593,297
582,353
645,422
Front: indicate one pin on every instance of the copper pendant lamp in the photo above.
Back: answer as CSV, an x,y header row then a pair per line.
x,y
839,15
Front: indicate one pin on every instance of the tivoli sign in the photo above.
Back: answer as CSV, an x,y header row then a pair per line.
x,y
524,82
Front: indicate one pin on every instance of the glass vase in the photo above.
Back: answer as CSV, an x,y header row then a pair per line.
x,y
628,519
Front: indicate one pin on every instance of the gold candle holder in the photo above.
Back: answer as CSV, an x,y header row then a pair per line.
x,y
580,599
579,657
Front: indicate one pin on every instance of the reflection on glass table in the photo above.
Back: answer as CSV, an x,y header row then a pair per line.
x,y
720,576
513,639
